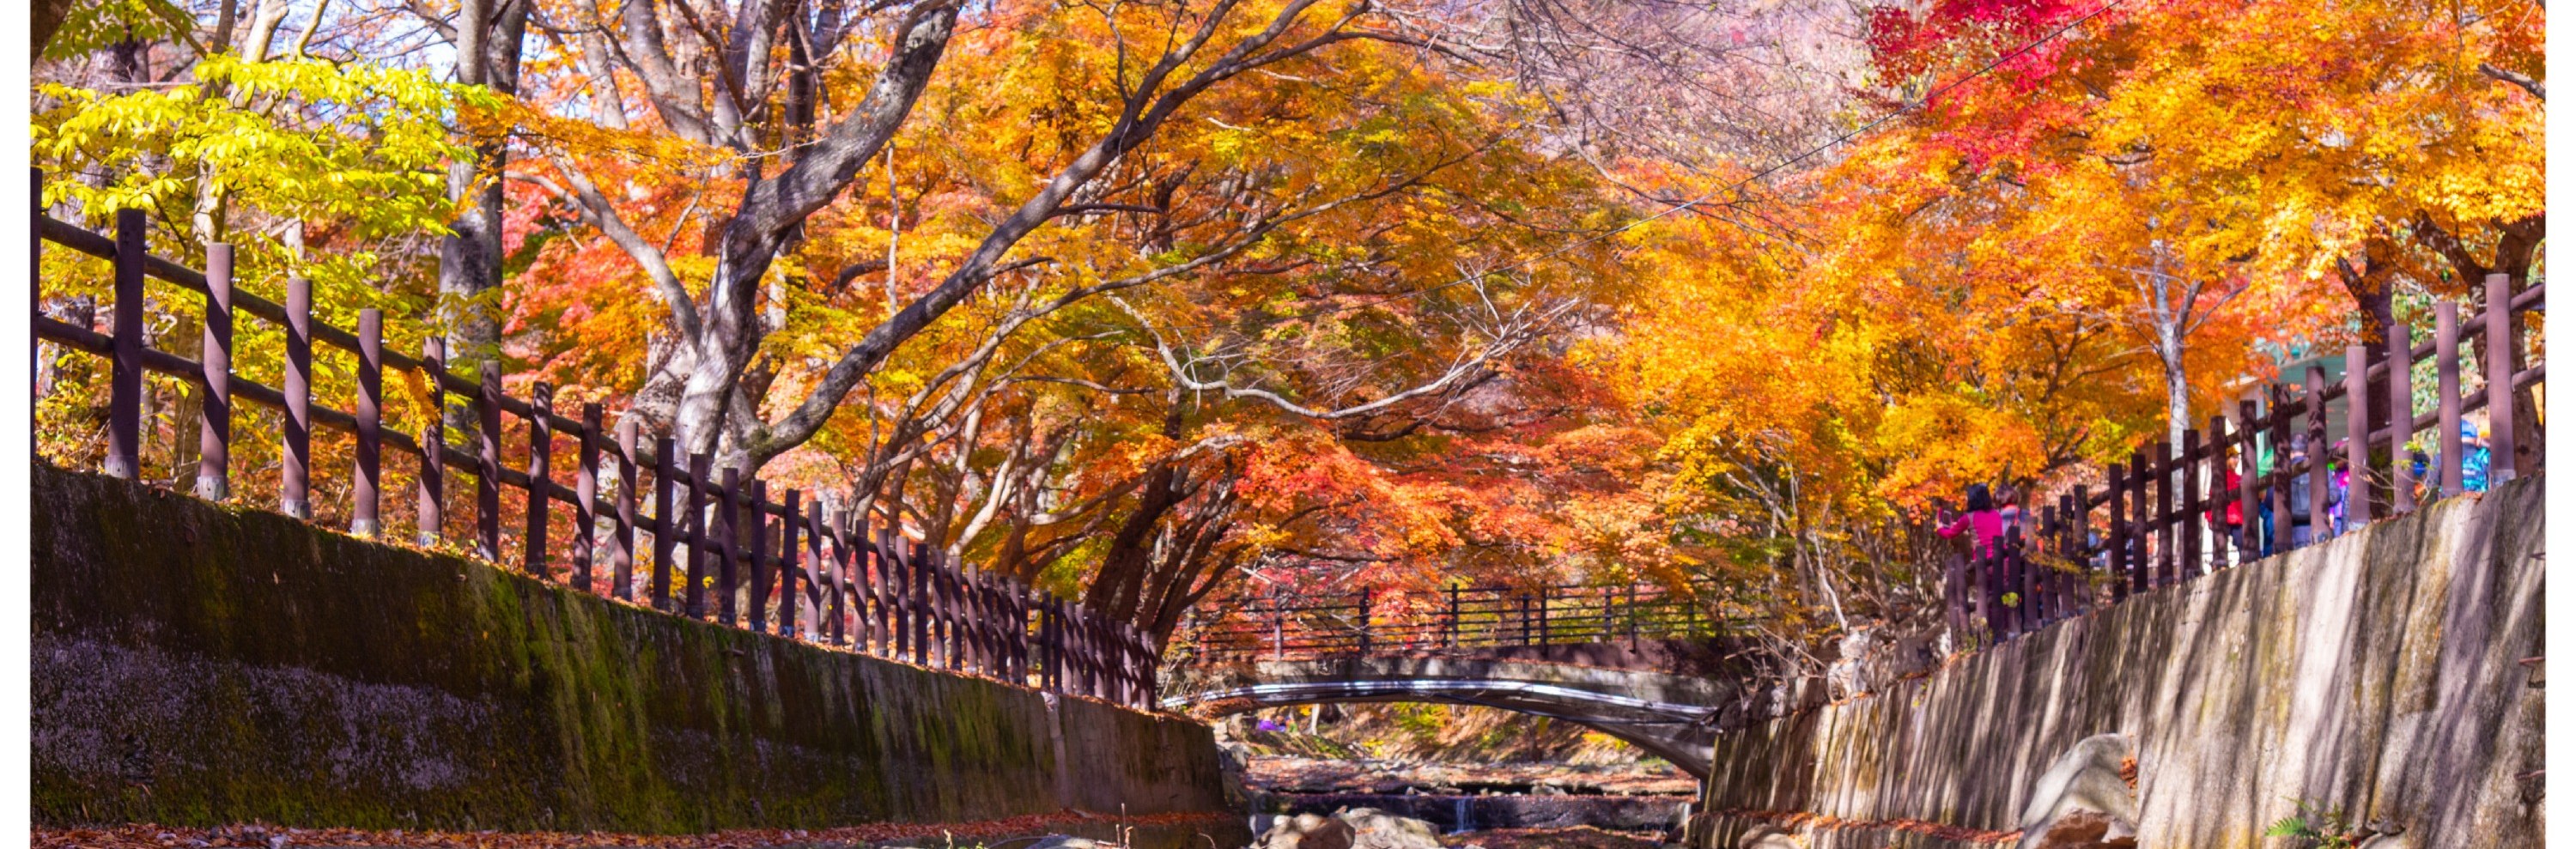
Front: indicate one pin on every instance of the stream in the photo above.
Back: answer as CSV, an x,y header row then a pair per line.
x,y
1625,806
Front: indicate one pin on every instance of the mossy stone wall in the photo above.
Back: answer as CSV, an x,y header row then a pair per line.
x,y
194,664
2378,674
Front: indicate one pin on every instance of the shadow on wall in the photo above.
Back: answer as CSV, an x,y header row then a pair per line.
x,y
2380,675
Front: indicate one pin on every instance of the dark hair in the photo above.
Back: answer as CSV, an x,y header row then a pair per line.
x,y
1979,500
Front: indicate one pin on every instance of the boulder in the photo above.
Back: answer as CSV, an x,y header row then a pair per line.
x,y
1306,831
1066,841
2082,801
1377,829
1349,828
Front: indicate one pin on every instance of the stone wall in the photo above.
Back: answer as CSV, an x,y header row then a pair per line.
x,y
199,665
2379,674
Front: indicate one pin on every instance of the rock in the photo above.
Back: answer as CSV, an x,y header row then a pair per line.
x,y
1765,837
2075,830
1066,841
2082,801
1306,831
1377,829
1350,828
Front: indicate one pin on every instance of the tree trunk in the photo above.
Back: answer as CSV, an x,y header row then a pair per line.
x,y
469,259
46,18
1119,588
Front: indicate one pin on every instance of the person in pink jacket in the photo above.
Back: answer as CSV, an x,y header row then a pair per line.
x,y
1982,519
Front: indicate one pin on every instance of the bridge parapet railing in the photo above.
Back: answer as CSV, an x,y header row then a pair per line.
x,y
715,544
1452,620
2292,466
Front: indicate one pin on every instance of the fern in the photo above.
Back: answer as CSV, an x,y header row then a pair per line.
x,y
2291,827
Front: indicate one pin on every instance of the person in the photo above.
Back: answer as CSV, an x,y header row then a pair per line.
x,y
2008,509
2473,464
2473,453
2229,513
2268,542
2338,488
2416,465
1985,523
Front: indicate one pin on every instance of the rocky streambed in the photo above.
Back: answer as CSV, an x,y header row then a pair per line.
x,y
1512,804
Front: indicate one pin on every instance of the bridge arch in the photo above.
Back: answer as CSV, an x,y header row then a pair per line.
x,y
1670,716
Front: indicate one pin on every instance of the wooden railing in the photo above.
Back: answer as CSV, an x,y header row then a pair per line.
x,y
1454,620
2161,518
873,591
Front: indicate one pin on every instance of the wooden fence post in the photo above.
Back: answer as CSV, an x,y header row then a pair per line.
x,y
294,477
956,642
695,592
2319,489
2446,356
1022,605
125,361
1994,573
1364,621
2142,531
215,415
2282,408
2116,535
369,480
2401,416
825,582
757,556
621,558
2080,549
2040,602
2356,434
2025,607
968,623
2249,517
903,612
666,524
852,623
2167,570
1449,628
920,609
541,442
2070,553
864,578
585,508
487,486
2501,465
788,517
2186,563
1050,646
728,542
431,515
2214,494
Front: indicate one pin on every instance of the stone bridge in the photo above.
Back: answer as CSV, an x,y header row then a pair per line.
x,y
1650,694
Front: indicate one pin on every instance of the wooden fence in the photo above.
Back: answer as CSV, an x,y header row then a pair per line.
x,y
2162,519
1452,620
708,530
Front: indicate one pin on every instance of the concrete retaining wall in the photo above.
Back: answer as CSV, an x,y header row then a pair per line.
x,y
198,665
2377,674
